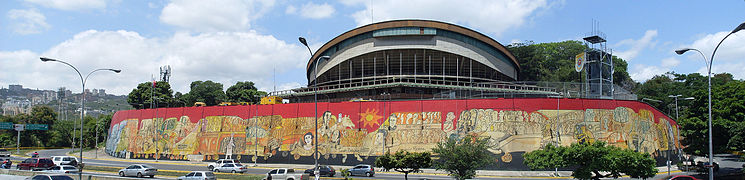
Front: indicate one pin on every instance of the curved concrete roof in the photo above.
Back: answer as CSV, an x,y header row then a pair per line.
x,y
411,23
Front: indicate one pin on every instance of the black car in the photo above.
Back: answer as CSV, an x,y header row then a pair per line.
x,y
324,171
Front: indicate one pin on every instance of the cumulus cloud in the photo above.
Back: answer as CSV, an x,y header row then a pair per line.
x,y
729,55
311,10
641,72
28,21
212,16
225,57
670,62
71,5
485,15
636,45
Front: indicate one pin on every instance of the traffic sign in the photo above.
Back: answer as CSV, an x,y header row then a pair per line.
x,y
37,127
6,125
19,127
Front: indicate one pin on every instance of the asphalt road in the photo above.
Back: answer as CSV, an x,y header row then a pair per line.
x,y
727,164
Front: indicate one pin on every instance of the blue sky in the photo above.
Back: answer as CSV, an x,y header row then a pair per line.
x,y
256,40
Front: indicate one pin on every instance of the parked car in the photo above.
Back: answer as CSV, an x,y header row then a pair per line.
x,y
4,153
679,177
138,170
323,170
199,175
35,164
362,170
64,160
63,169
219,163
49,177
286,174
231,167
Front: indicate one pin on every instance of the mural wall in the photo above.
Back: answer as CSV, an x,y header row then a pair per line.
x,y
356,132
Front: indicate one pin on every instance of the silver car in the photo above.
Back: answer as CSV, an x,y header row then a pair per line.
x,y
138,170
231,167
63,169
49,177
199,175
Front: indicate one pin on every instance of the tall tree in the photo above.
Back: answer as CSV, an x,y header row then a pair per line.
x,y
142,96
461,158
554,62
244,92
205,91
405,162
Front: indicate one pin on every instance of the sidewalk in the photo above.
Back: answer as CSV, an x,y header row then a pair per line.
x,y
480,173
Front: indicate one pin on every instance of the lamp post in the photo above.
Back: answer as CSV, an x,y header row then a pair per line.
x,y
676,120
82,101
315,99
708,63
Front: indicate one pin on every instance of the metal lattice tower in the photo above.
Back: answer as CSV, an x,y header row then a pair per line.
x,y
599,66
165,73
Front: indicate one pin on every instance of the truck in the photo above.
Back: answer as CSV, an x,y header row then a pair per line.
x,y
286,174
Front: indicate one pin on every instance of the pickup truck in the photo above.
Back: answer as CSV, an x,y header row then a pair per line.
x,y
286,174
219,163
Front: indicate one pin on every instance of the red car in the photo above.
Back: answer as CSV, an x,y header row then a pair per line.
x,y
35,164
680,177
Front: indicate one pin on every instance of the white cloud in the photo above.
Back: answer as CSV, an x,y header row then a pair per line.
x,y
670,62
71,5
485,15
225,57
313,11
28,21
636,45
729,57
641,72
211,16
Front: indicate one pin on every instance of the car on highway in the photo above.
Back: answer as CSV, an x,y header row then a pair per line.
x,y
4,153
63,169
219,163
679,177
231,168
323,170
199,175
64,160
286,174
139,170
362,170
49,177
35,164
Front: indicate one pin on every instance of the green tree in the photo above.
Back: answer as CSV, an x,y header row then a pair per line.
x,y
554,62
142,96
590,159
204,91
244,92
461,158
405,162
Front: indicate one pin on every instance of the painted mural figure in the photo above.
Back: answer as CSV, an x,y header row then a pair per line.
x,y
346,138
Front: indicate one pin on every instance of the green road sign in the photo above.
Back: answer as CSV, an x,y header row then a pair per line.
x,y
37,127
6,125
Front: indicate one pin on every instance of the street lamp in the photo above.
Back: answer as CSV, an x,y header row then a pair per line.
x,y
676,120
82,101
708,63
315,99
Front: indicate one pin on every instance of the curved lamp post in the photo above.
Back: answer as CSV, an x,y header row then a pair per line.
x,y
315,98
708,63
82,101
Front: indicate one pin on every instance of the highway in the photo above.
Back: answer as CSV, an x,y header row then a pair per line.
x,y
188,166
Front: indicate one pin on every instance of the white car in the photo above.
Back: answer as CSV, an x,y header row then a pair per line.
x,y
231,168
219,163
64,160
199,175
63,169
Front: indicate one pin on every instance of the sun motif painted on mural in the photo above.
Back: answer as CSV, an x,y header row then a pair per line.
x,y
370,118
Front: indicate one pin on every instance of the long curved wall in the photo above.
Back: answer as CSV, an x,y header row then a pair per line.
x,y
356,132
